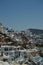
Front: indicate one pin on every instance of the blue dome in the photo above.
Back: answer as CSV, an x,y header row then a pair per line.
x,y
10,30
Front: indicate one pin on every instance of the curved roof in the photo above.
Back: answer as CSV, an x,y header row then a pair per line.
x,y
10,30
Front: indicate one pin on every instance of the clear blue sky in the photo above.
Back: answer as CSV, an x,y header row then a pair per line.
x,y
22,14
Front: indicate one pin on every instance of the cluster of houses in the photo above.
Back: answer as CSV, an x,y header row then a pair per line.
x,y
18,48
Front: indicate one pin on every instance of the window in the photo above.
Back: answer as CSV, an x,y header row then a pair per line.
x,y
6,49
